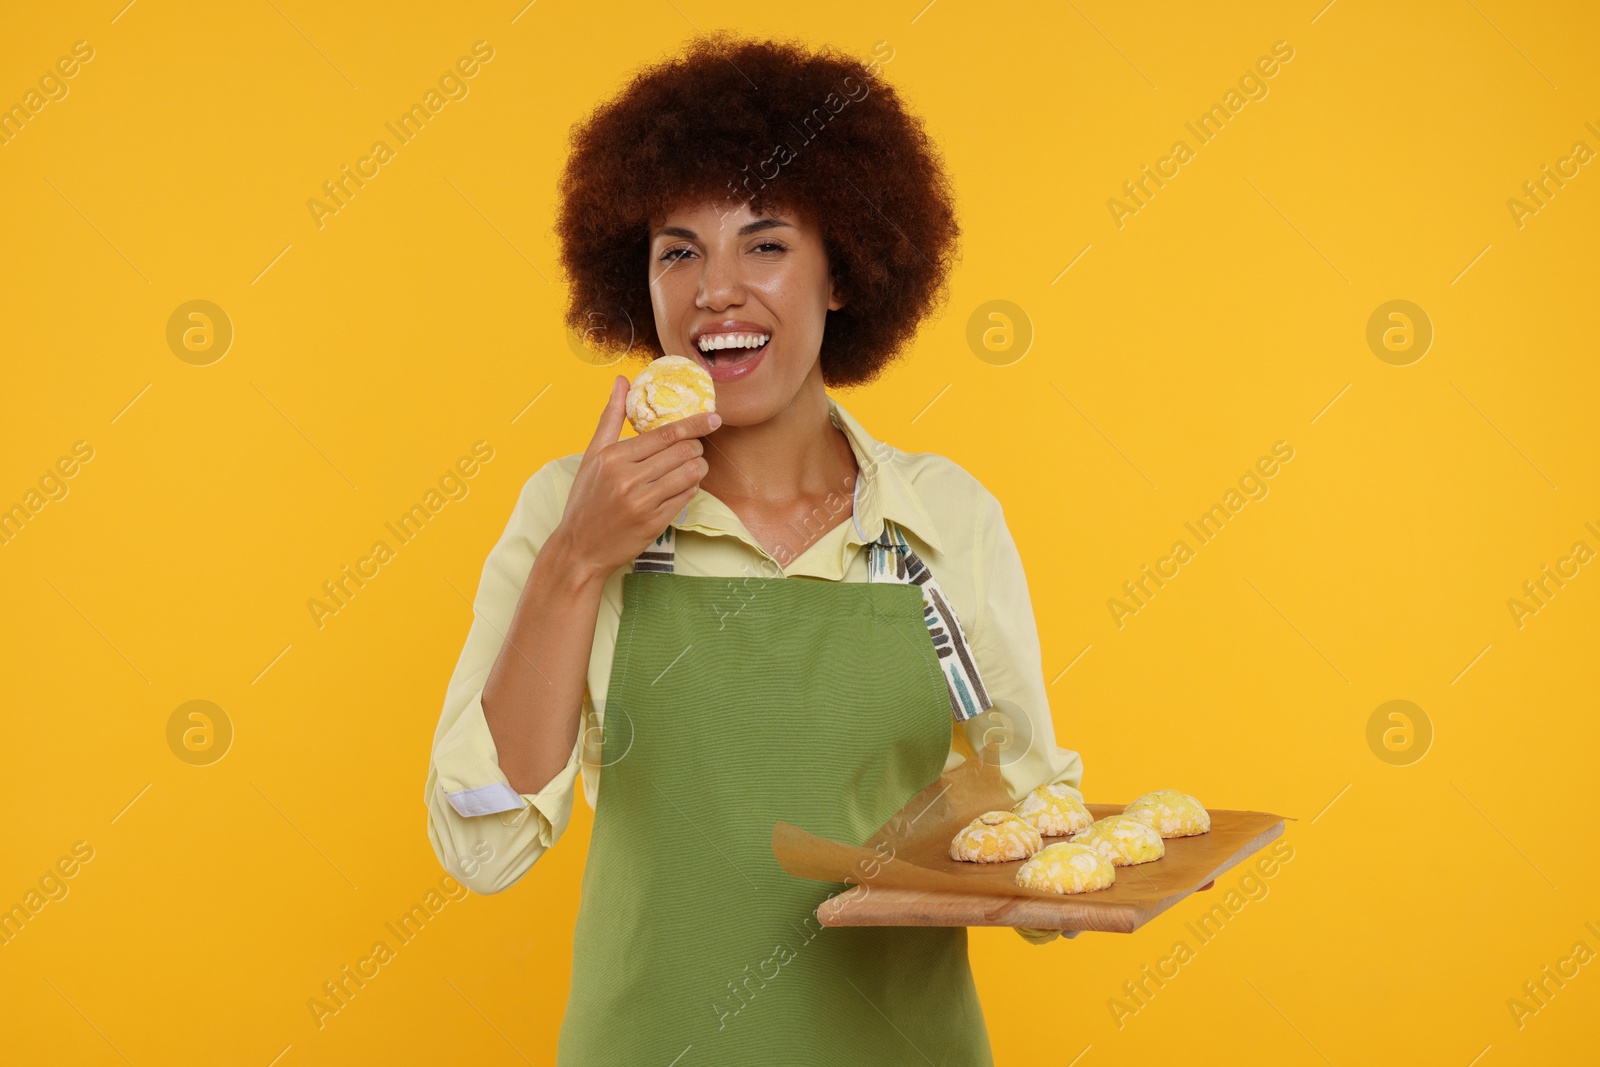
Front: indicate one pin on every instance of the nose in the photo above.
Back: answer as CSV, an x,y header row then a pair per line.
x,y
721,283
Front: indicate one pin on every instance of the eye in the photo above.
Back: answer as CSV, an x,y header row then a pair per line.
x,y
774,245
672,255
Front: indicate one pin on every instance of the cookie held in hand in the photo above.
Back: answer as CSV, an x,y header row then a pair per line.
x,y
995,837
670,388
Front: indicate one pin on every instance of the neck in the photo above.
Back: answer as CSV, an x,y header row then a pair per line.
x,y
796,453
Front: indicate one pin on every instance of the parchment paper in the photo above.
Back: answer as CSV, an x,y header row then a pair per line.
x,y
911,850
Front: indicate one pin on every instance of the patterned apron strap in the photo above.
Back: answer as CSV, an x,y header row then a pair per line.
x,y
890,559
658,556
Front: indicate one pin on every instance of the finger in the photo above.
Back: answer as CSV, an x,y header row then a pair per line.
x,y
670,507
653,441
610,428
653,467
682,478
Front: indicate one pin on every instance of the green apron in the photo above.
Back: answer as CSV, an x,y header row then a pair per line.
x,y
734,703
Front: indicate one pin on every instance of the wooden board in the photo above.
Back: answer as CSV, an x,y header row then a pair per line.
x,y
902,875
1141,893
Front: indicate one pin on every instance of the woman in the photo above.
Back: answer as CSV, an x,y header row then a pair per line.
x,y
758,614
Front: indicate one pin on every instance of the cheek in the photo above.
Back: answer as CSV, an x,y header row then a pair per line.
x,y
799,308
671,301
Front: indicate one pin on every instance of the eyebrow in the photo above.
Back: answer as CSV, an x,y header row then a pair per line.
x,y
748,228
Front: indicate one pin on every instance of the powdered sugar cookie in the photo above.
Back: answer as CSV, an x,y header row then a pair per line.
x,y
1054,810
670,388
995,837
1066,867
1123,840
1171,813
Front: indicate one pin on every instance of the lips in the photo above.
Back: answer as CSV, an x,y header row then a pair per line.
x,y
731,364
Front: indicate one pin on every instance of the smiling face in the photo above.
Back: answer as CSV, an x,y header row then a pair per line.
x,y
747,296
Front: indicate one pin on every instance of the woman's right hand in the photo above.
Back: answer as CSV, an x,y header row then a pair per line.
x,y
626,492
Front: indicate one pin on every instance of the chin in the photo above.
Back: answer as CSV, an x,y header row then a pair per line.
x,y
742,410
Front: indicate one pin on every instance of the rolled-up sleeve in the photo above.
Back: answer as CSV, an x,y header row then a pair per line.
x,y
483,831
1005,644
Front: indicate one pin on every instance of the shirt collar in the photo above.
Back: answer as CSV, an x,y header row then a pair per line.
x,y
881,492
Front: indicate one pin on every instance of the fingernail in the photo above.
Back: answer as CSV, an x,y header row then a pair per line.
x,y
715,420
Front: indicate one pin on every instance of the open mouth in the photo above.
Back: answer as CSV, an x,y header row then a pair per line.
x,y
732,349
728,357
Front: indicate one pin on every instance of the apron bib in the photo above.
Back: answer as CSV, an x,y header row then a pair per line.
x,y
734,703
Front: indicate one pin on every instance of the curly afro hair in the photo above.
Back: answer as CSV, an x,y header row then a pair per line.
x,y
785,128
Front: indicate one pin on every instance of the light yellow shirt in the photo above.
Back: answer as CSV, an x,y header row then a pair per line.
x,y
488,835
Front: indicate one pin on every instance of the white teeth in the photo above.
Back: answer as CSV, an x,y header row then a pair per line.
x,y
716,341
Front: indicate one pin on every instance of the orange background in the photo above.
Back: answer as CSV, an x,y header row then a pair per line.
x,y
1228,313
